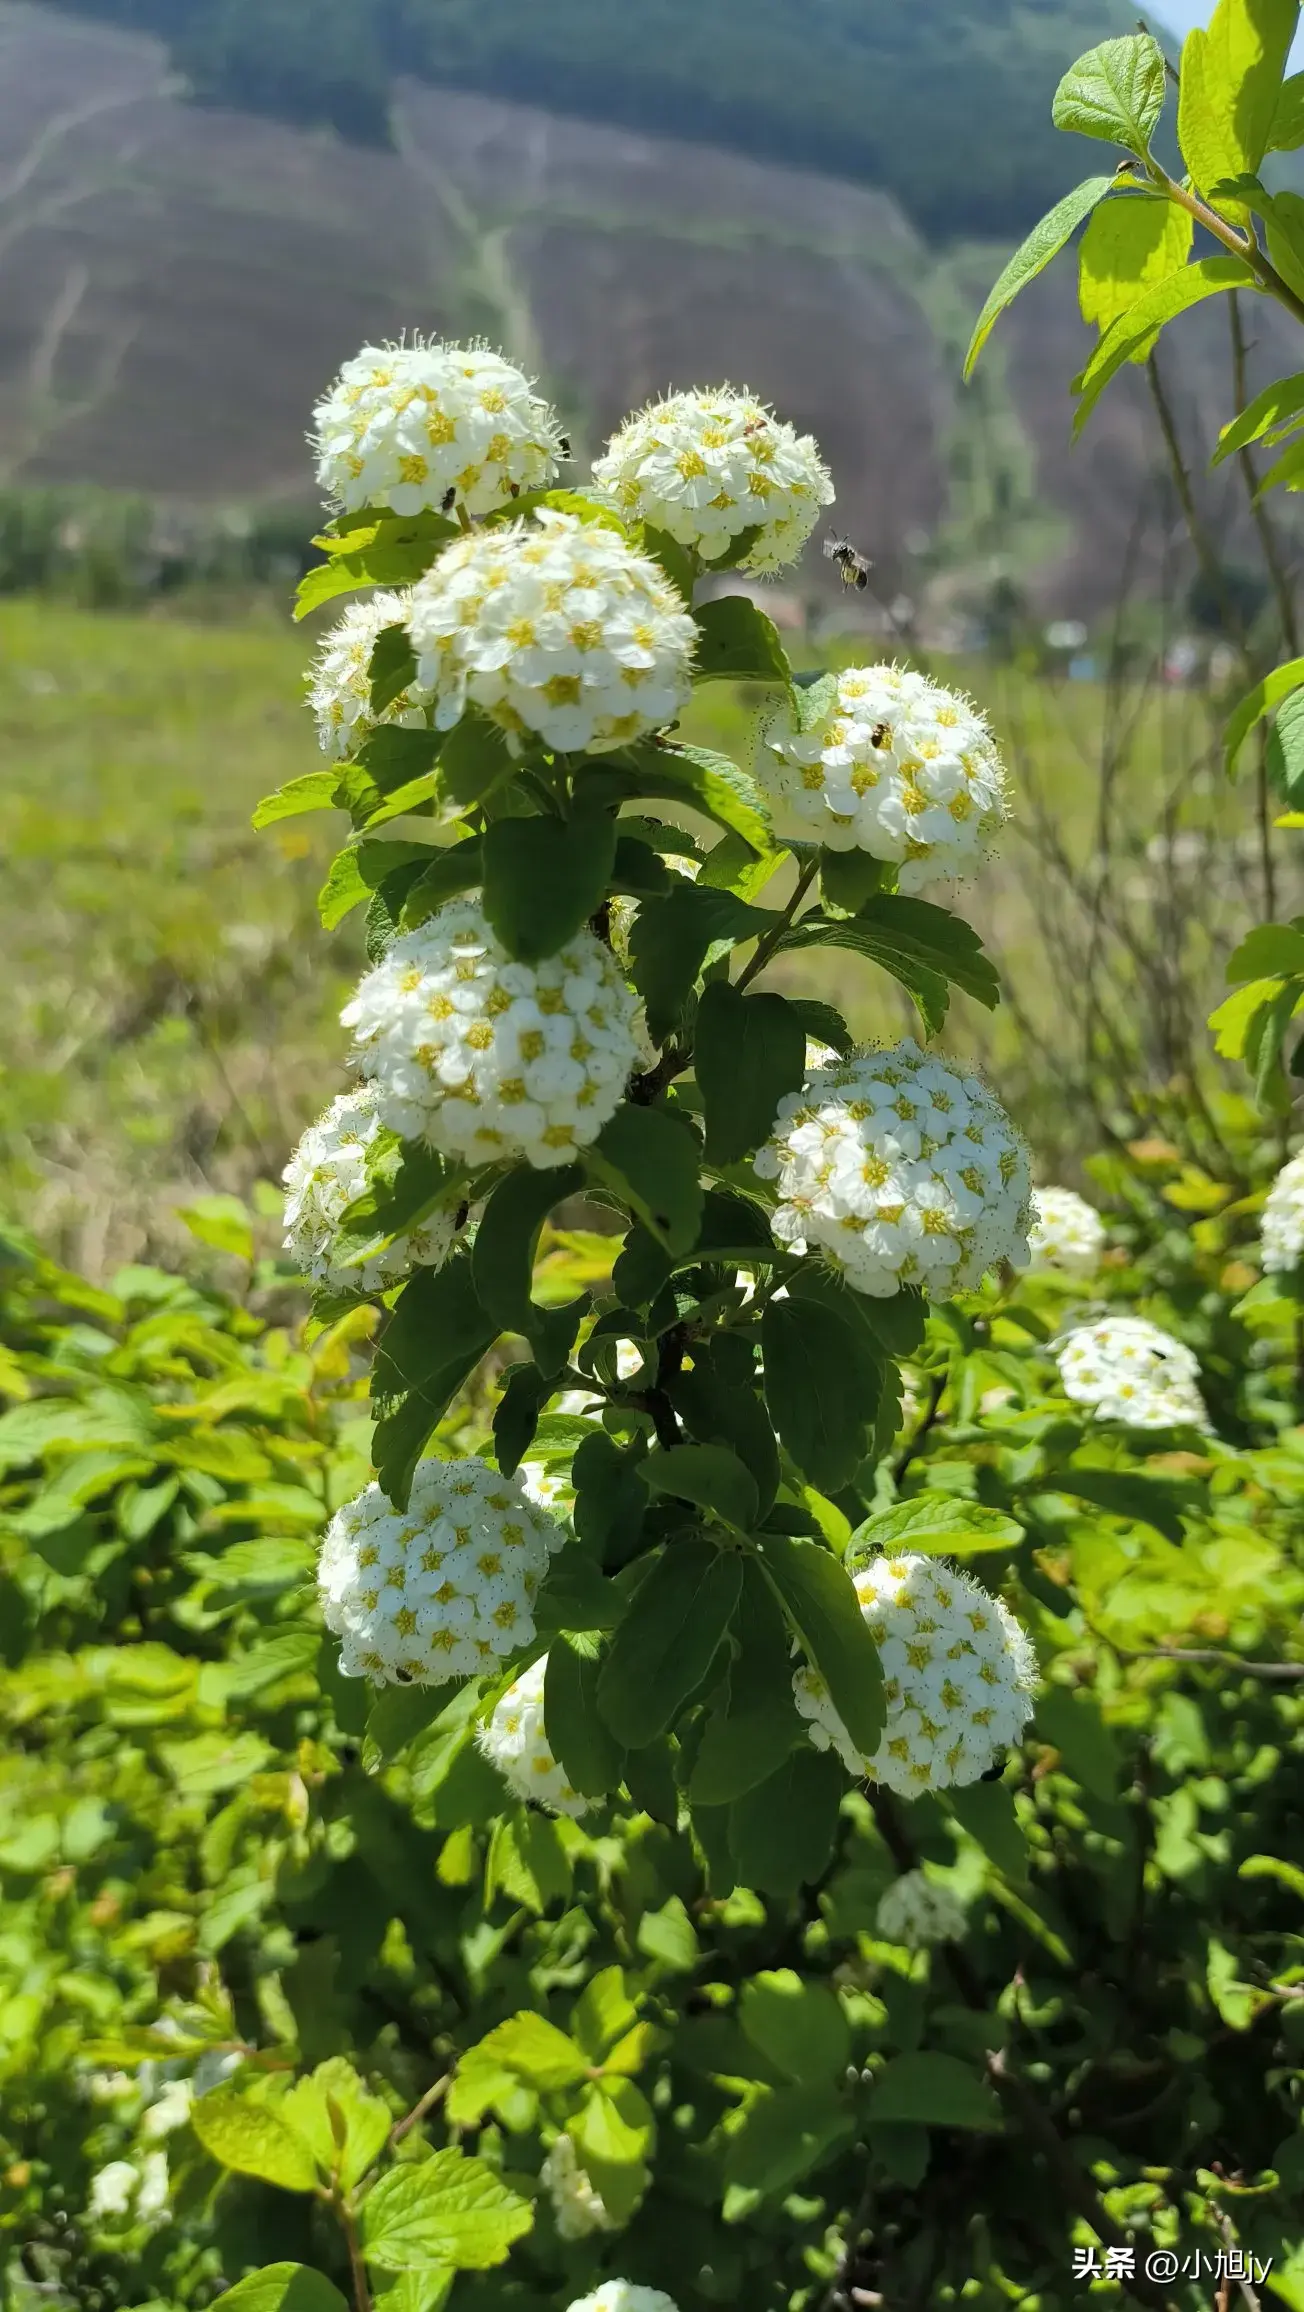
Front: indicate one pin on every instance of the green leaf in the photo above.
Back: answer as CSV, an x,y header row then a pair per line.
x,y
754,1724
516,1416
447,2210
223,1222
749,1052
394,758
613,2133
1238,66
786,2134
669,1936
1127,247
282,2288
1114,92
822,1388
433,1342
1136,331
474,759
936,1525
315,791
1271,951
251,2138
610,1499
603,2014
502,1260
738,643
544,878
651,1158
707,782
987,1811
677,561
1154,1501
452,871
535,2050
781,1834
345,2126
392,666
797,2025
935,2090
821,1604
719,1410
1043,244
823,1025
1285,751
1071,1722
920,944
1278,410
362,869
576,1596
663,1650
672,938
1286,134
1236,1022
578,1734
1262,700
711,1477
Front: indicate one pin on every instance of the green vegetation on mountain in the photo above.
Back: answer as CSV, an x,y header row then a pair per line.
x,y
944,103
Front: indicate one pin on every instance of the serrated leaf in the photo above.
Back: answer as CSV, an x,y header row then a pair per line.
x,y
535,2050
345,2126
448,2210
817,1596
315,791
823,1025
661,1653
749,1052
936,1525
707,782
251,2138
1114,92
934,2090
1042,245
544,878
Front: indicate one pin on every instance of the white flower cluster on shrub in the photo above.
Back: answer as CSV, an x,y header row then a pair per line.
x,y
484,1057
897,767
442,1589
557,629
326,1174
624,2296
958,1675
578,2210
916,1911
424,427
131,2191
1066,1233
900,1172
339,690
515,1740
1126,1369
708,466
1283,1220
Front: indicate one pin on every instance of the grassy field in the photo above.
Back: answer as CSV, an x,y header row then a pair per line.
x,y
171,1012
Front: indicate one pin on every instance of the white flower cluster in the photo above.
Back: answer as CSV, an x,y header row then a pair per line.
x,y
485,1058
127,2190
1066,1233
706,467
897,767
624,2296
339,690
1283,1220
443,1589
1126,1369
515,1740
578,2210
326,1174
901,1172
958,1672
426,427
556,629
916,1912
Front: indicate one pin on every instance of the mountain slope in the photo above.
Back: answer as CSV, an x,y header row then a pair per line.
x,y
943,102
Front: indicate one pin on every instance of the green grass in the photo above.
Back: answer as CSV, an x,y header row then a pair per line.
x,y
171,1012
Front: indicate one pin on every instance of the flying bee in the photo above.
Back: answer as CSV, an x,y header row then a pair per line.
x,y
853,567
564,445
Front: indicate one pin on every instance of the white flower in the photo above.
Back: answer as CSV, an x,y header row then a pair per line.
x,y
578,2209
443,1589
1283,1220
708,466
624,2296
486,1058
515,1740
958,1674
113,2188
917,1911
546,1487
326,1174
1128,1370
428,427
1066,1232
339,690
556,628
900,1171
169,2110
152,2196
897,767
